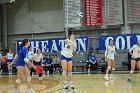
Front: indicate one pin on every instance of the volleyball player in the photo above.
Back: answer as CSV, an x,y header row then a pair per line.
x,y
135,58
66,61
10,57
13,62
22,69
109,56
38,60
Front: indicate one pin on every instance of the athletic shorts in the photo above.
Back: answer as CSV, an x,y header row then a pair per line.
x,y
136,59
64,58
9,60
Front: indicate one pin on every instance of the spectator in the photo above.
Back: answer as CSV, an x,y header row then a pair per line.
x,y
56,63
56,60
10,57
92,64
49,63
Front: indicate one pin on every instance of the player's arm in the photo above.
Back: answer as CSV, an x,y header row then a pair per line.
x,y
130,51
73,44
66,41
41,58
90,59
27,60
106,52
14,60
115,51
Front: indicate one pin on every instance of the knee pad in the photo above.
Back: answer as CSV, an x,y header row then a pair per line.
x,y
109,67
113,69
18,81
131,71
28,78
64,73
69,73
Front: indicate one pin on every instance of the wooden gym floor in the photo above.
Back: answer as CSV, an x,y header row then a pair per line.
x,y
84,83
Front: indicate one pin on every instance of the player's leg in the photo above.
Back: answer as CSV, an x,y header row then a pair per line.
x,y
27,74
112,69
138,64
64,68
108,69
20,71
70,74
133,64
9,68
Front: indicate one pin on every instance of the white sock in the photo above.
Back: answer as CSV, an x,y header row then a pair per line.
x,y
71,83
106,75
65,83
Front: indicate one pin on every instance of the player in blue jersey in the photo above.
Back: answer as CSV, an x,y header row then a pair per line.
x,y
92,64
66,61
22,69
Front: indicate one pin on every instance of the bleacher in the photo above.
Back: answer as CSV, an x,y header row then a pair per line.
x,y
80,64
122,56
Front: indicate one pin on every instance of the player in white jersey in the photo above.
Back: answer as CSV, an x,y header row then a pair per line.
x,y
10,57
109,56
14,60
66,61
30,54
135,59
37,61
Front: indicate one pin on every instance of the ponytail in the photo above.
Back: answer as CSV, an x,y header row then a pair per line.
x,y
24,42
21,45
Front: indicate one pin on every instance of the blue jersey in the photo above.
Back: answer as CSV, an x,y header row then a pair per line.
x,y
22,54
92,59
49,61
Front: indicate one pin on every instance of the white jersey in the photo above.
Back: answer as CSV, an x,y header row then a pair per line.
x,y
30,55
136,51
10,55
67,51
110,51
38,58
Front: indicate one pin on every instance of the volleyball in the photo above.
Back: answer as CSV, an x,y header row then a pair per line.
x,y
79,14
